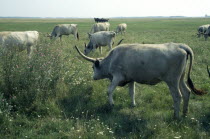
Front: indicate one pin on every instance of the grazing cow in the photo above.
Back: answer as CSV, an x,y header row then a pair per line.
x,y
64,29
202,29
98,39
207,33
19,40
100,27
208,71
121,28
147,64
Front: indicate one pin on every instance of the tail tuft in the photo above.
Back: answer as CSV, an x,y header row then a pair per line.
x,y
195,91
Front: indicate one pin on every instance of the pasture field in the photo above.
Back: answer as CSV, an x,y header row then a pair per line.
x,y
52,95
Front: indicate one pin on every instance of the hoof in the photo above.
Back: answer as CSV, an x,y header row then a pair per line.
x,y
184,115
176,118
112,106
133,105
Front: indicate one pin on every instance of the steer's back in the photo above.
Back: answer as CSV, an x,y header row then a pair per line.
x,y
100,27
103,38
146,62
20,39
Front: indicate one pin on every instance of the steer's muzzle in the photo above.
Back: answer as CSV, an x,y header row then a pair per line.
x,y
95,78
85,52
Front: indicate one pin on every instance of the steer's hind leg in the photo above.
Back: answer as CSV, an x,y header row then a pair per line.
x,y
185,94
115,82
132,93
100,49
110,45
176,94
29,51
60,37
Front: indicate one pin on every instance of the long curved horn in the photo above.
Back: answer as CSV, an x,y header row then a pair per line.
x,y
84,56
208,71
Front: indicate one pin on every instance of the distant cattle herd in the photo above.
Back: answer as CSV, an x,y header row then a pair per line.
x,y
101,20
126,63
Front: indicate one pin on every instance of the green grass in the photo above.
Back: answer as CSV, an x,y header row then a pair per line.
x,y
52,95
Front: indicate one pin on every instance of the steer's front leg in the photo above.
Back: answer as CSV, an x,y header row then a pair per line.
x,y
30,50
132,93
100,49
114,83
110,45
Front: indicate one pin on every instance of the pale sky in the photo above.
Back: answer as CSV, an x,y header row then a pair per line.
x,y
104,8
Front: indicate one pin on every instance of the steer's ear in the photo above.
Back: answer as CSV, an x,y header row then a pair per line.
x,y
89,35
97,63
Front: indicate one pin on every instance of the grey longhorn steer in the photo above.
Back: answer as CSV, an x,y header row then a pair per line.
x,y
202,30
121,28
98,39
100,27
64,29
207,33
147,64
20,40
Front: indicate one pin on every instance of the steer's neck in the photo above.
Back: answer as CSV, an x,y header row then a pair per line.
x,y
105,67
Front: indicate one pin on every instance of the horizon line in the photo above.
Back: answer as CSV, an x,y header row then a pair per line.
x,y
110,17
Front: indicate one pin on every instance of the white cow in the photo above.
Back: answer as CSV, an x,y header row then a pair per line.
x,y
98,39
19,40
121,28
100,27
64,29
148,64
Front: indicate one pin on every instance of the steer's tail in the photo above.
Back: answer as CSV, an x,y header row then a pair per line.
x,y
120,42
189,81
77,36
